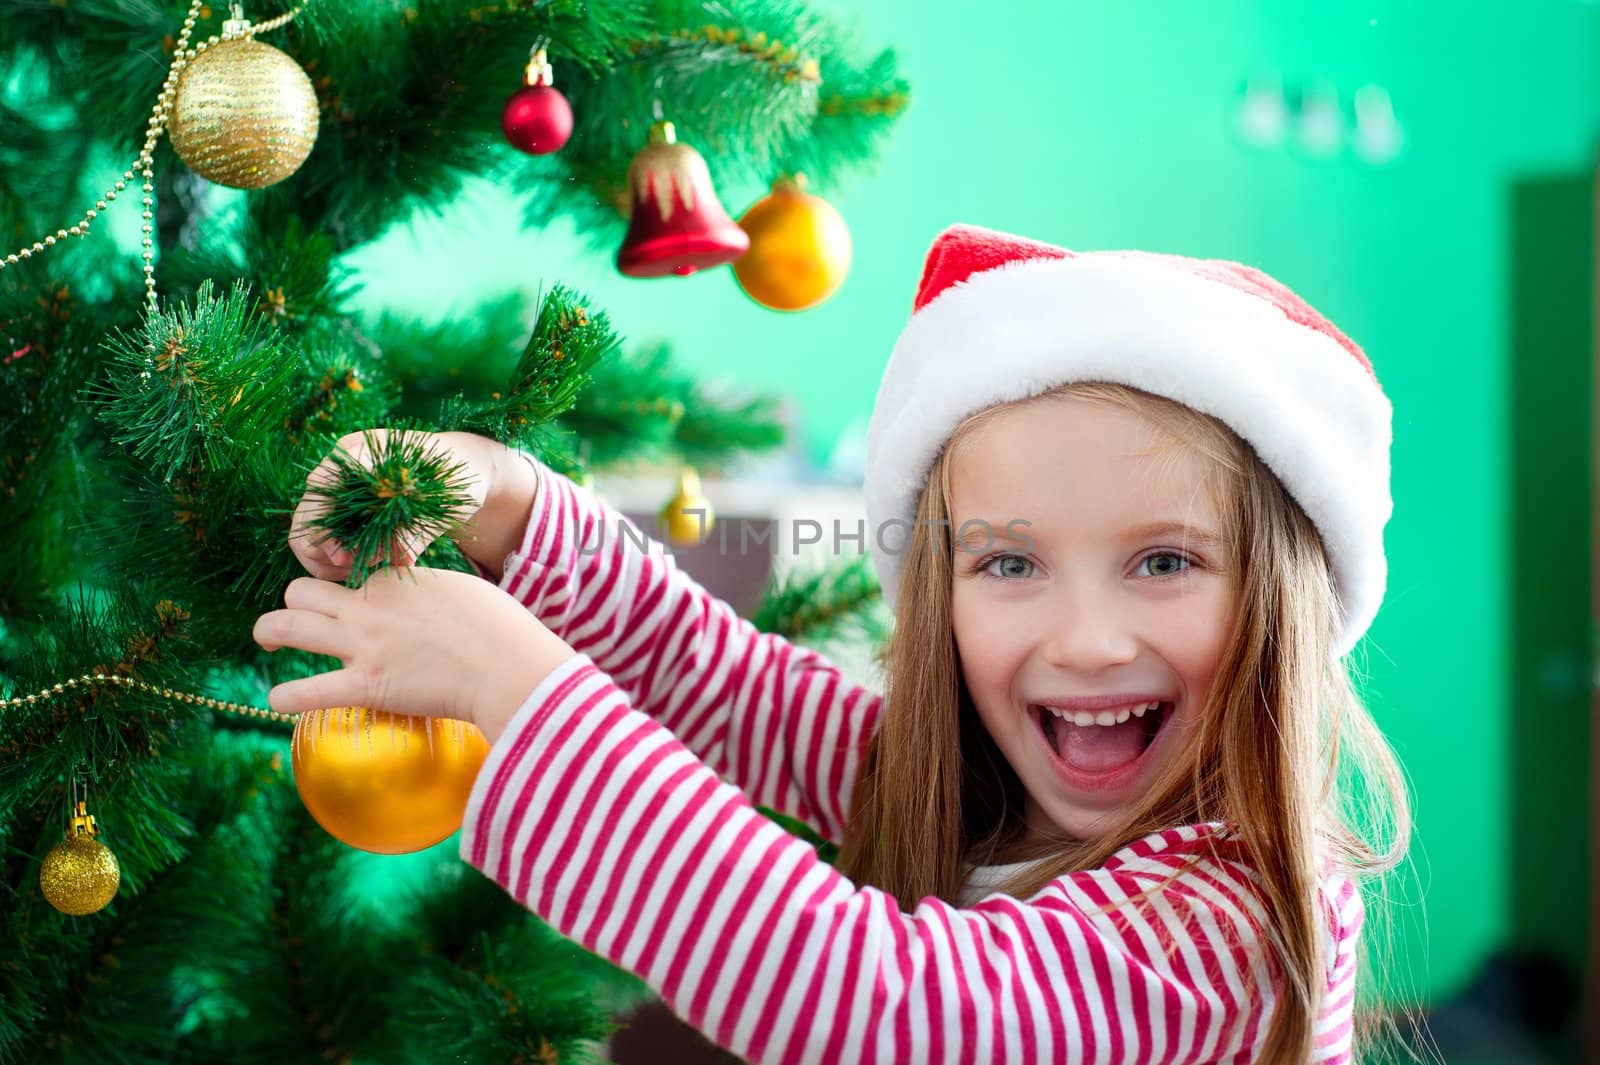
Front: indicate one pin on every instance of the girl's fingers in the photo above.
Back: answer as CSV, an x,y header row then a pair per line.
x,y
407,550
324,570
310,543
302,629
322,475
334,573
313,545
321,597
340,687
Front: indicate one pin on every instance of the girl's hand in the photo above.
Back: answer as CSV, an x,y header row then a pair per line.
x,y
498,480
413,641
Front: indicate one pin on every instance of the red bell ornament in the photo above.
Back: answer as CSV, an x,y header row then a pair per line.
x,y
676,224
537,118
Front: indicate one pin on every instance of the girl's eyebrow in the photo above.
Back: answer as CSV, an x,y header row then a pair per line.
x,y
1200,537
981,532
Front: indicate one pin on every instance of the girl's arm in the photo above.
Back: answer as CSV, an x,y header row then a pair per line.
x,y
599,820
778,720
1344,913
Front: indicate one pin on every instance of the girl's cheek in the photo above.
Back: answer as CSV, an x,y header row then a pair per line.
x,y
990,641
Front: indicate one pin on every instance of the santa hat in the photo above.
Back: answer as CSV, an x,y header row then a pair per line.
x,y
1000,318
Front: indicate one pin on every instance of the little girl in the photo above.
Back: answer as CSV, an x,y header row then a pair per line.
x,y
1129,511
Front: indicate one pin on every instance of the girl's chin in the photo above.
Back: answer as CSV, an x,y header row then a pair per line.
x,y
1077,823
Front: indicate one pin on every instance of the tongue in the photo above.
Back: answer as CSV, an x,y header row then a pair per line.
x,y
1098,748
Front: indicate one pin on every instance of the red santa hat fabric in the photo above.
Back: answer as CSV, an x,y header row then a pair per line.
x,y
1000,317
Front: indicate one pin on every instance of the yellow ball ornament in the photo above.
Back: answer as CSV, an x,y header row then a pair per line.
x,y
386,783
687,518
799,248
243,115
80,875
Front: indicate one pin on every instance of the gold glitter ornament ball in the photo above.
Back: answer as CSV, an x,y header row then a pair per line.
x,y
79,875
243,115
386,783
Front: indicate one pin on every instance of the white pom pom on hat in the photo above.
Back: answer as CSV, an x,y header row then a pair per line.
x,y
1000,317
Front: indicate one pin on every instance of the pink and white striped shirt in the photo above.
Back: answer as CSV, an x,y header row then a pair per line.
x,y
619,806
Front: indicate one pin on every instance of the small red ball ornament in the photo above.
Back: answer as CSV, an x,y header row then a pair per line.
x,y
537,119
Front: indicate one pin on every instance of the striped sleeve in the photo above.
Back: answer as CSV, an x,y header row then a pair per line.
x,y
595,817
779,720
1343,910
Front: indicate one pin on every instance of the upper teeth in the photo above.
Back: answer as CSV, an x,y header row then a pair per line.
x,y
1102,717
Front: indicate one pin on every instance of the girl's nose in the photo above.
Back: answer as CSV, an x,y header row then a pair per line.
x,y
1085,632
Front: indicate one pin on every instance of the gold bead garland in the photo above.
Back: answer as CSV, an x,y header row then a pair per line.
x,y
90,679
159,115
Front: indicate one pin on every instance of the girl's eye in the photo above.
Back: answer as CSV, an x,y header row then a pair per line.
x,y
1165,563
983,567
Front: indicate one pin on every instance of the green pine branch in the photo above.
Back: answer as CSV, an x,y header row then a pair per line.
x,y
514,986
569,340
45,351
812,606
295,275
471,351
185,393
643,405
715,429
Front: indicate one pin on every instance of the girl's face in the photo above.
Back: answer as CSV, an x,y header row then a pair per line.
x,y
1115,613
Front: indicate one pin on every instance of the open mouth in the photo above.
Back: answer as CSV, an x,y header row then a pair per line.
x,y
1111,742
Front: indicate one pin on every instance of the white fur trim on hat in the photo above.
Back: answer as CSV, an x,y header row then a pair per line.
x,y
1311,410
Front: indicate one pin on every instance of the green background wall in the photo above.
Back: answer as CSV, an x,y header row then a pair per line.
x,y
1110,125
1547,695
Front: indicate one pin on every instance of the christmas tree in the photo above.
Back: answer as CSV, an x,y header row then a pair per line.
x,y
168,896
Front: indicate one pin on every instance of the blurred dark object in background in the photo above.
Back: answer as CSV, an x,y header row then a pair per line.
x,y
653,1035
1519,1010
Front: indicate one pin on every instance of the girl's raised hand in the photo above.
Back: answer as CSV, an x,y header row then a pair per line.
x,y
413,641
328,559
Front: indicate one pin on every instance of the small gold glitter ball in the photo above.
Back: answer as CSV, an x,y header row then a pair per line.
x,y
79,875
245,115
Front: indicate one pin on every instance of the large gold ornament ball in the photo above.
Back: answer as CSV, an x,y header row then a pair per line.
x,y
79,875
244,115
386,783
799,249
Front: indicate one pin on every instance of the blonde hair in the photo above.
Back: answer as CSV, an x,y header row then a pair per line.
x,y
1284,751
